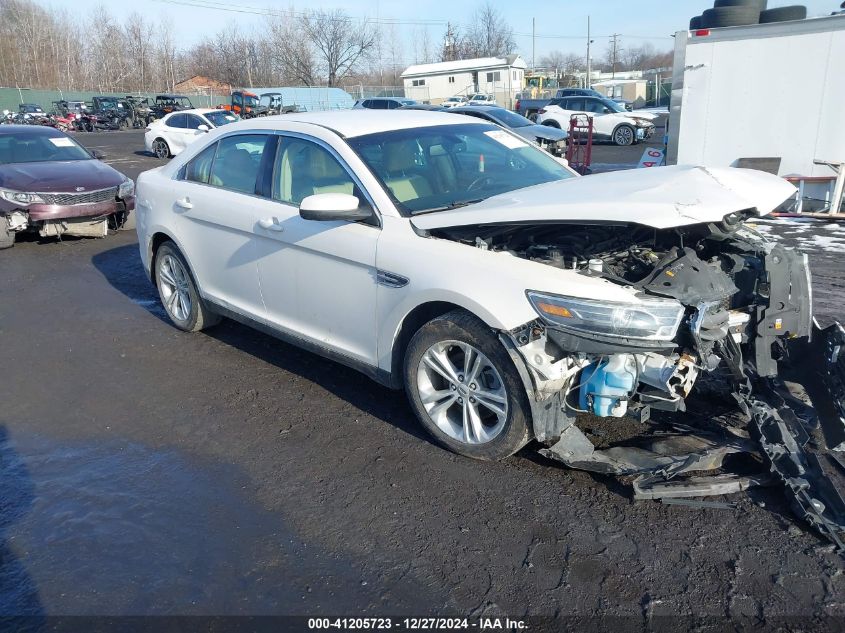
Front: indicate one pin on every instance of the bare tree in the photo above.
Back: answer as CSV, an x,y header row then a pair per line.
x,y
561,64
490,34
339,41
295,58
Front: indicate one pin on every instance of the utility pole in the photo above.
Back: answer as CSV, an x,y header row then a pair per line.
x,y
615,39
533,44
588,80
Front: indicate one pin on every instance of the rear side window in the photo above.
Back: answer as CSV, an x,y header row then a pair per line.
x,y
178,121
238,162
573,103
199,169
378,104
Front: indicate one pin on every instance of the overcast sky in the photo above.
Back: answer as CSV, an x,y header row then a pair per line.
x,y
560,24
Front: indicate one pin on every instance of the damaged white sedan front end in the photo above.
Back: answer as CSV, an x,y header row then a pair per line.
x,y
710,300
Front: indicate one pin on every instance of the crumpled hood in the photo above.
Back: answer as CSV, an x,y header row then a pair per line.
x,y
660,197
59,176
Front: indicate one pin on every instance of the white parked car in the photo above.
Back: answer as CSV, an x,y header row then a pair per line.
x,y
449,257
453,102
611,121
481,99
169,135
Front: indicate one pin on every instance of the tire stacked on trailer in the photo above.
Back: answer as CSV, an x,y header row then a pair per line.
x,y
743,13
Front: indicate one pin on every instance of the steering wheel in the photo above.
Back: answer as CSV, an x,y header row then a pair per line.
x,y
475,184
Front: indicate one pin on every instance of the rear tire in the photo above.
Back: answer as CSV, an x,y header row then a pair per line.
x,y
730,16
552,123
757,4
485,416
161,149
178,291
784,14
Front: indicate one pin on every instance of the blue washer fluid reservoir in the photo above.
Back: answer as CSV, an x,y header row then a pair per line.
x,y
607,384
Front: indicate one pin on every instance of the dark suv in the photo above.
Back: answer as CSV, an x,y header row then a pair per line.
x,y
383,103
578,92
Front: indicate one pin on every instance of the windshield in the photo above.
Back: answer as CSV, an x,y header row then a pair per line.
x,y
38,148
219,118
616,107
508,118
250,101
447,166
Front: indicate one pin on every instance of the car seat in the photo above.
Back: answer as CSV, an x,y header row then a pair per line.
x,y
399,163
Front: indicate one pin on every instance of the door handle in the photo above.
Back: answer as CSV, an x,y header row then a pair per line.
x,y
271,224
184,203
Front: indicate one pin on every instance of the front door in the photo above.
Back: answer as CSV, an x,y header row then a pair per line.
x,y
318,279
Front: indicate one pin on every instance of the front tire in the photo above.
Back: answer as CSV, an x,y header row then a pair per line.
x,y
178,291
624,135
464,388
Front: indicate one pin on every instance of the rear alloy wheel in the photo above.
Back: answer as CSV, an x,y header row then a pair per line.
x,y
161,149
178,292
624,135
465,389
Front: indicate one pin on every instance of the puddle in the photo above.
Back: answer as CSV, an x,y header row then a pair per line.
x,y
122,529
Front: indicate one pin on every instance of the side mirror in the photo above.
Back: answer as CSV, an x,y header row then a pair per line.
x,y
202,128
327,207
97,154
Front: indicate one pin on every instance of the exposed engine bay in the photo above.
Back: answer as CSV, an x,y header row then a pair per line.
x,y
722,305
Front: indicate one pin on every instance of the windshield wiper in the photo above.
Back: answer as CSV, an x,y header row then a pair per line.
x,y
450,207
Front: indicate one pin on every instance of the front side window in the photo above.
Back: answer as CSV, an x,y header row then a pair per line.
x,y
304,169
442,167
199,168
194,122
237,162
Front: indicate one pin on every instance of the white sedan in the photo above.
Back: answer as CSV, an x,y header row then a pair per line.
x,y
448,257
611,121
169,135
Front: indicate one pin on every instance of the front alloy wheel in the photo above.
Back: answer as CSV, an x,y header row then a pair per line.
x,y
624,135
462,392
465,389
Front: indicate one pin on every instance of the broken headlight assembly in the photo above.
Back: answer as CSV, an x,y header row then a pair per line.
x,y
126,189
649,320
21,197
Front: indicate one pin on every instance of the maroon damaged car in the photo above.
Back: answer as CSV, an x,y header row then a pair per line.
x,y
51,185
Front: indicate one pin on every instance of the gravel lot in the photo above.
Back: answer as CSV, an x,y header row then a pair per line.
x,y
147,471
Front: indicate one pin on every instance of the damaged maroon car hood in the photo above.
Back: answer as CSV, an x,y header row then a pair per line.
x,y
59,176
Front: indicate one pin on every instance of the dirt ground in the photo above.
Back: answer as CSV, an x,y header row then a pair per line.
x,y
147,471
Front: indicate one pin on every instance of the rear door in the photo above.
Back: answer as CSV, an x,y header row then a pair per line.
x,y
216,205
177,132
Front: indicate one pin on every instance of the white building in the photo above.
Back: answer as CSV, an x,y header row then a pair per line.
x,y
501,77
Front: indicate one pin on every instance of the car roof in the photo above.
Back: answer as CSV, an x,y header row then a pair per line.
x,y
352,123
30,130
194,111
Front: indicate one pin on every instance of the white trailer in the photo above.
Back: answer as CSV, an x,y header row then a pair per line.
x,y
768,91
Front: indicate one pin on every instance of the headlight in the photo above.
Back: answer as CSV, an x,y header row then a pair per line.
x,y
20,197
126,189
643,122
651,320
